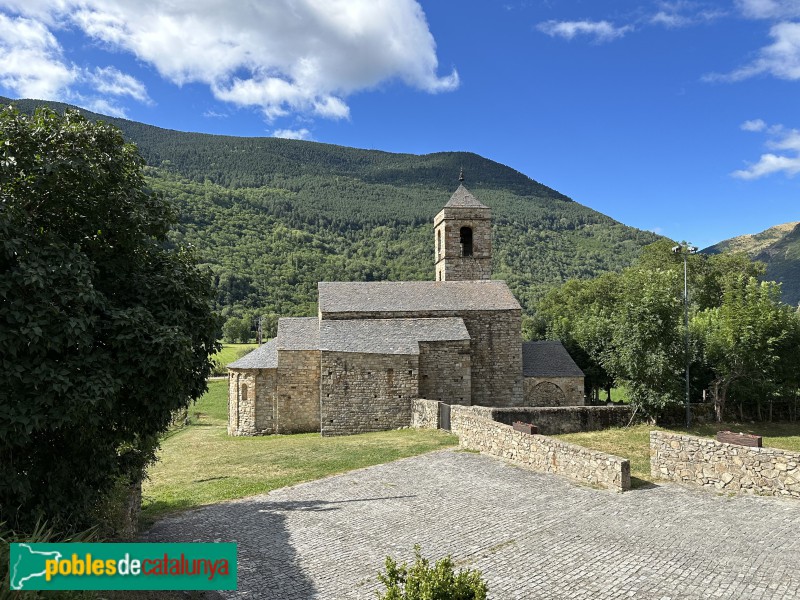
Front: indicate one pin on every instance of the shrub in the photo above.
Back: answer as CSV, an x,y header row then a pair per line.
x,y
421,581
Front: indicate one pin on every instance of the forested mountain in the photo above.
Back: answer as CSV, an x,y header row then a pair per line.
x,y
779,248
272,217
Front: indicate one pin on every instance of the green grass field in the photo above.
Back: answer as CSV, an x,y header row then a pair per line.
x,y
633,443
228,354
200,464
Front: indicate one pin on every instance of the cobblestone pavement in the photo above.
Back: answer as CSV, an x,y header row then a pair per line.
x,y
532,535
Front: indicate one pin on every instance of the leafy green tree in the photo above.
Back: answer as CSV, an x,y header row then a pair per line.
x,y
237,329
751,338
105,327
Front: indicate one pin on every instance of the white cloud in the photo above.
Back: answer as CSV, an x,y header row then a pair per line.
x,y
110,80
769,9
292,134
788,162
781,59
281,56
104,107
753,125
32,64
602,31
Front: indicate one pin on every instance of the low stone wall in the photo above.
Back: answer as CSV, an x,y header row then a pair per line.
x,y
425,414
558,420
539,452
727,467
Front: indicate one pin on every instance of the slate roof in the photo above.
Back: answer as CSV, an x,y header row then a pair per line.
x,y
298,333
548,359
463,198
263,357
427,297
388,336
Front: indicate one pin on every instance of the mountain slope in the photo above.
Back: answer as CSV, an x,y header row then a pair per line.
x,y
779,248
271,217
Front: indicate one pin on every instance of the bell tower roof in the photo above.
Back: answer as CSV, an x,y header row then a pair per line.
x,y
463,198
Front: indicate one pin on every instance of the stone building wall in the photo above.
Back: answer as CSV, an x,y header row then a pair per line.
x,y
444,371
724,467
450,264
539,452
297,403
496,345
553,391
495,348
251,401
425,413
366,392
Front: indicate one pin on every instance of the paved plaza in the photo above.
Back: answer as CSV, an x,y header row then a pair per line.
x,y
532,535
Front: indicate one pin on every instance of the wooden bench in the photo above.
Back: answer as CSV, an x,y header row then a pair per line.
x,y
743,439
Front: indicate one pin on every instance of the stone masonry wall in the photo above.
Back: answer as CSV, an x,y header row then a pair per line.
x,y
444,371
366,392
425,413
539,452
553,391
558,420
496,344
726,467
297,405
253,413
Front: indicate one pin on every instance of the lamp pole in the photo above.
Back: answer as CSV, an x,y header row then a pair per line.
x,y
685,251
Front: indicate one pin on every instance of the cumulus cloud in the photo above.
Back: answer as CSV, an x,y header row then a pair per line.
x,y
780,59
783,140
601,31
754,125
292,134
110,80
281,56
684,13
769,9
33,65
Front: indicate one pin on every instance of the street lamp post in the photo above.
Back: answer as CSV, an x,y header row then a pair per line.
x,y
685,251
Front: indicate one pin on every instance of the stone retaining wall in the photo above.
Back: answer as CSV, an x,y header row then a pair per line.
x,y
558,420
539,452
727,467
425,414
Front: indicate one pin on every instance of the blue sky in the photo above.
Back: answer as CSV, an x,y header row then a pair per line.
x,y
676,116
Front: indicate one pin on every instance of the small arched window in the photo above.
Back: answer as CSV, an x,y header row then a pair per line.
x,y
439,243
466,241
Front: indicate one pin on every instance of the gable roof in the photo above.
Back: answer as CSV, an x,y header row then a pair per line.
x,y
388,336
463,198
548,359
298,333
428,297
263,357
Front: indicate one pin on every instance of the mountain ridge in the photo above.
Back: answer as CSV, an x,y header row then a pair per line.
x,y
779,248
271,217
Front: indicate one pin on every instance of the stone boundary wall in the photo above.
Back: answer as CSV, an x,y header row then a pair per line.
x,y
562,419
539,452
425,414
725,467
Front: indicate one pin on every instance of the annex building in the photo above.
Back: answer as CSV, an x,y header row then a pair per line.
x,y
376,346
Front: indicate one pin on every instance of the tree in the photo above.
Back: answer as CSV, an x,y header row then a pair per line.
x,y
106,329
237,329
750,338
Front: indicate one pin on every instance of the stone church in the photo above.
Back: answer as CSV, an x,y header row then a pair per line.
x,y
376,346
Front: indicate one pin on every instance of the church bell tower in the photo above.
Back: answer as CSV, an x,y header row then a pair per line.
x,y
463,238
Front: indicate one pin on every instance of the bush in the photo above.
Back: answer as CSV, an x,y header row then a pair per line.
x,y
422,581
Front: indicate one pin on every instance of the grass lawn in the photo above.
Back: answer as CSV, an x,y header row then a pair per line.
x,y
200,464
230,353
633,443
